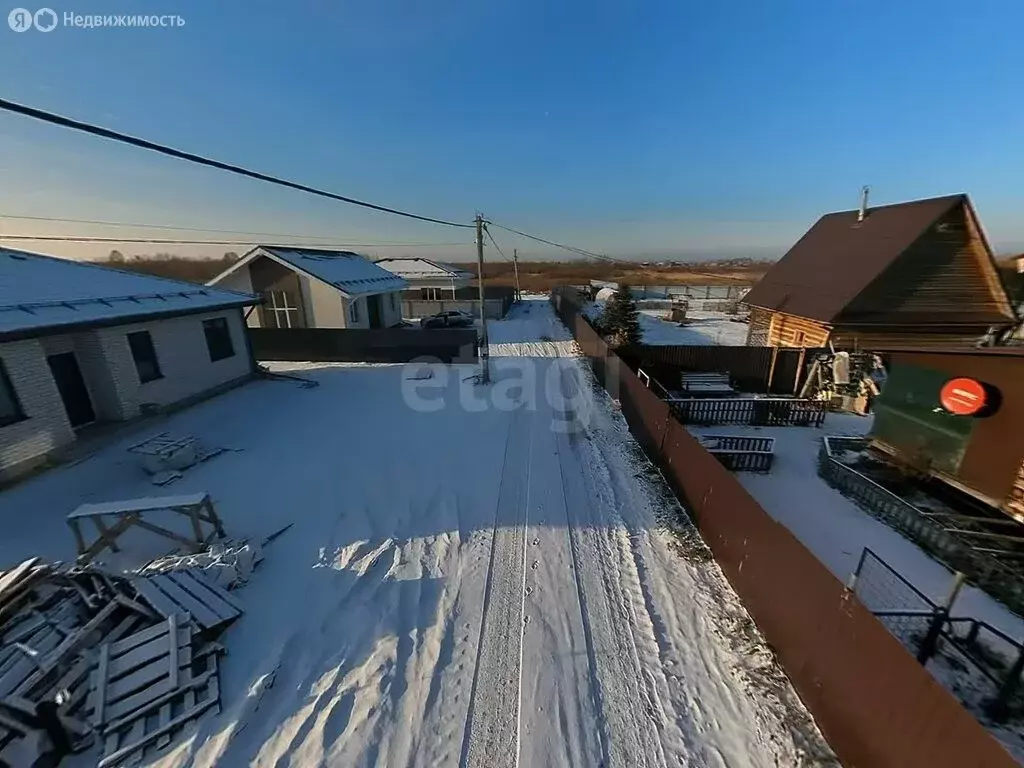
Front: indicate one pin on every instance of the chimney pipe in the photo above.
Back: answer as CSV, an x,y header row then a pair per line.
x,y
863,212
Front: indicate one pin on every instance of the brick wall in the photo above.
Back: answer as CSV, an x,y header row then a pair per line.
x,y
46,427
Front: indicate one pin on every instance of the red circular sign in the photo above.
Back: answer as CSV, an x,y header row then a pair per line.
x,y
963,396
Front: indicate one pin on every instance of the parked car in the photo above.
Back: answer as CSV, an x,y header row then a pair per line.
x,y
451,319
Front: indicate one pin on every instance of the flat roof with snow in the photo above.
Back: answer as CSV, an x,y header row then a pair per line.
x,y
42,294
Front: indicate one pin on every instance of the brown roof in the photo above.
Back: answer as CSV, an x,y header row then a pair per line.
x,y
837,258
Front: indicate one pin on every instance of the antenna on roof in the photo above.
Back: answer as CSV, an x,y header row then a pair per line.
x,y
863,212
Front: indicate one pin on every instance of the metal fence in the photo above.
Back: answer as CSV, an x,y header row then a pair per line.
x,y
980,663
385,345
764,412
739,453
929,530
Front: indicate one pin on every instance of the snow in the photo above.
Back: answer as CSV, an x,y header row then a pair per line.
x,y
38,291
702,328
419,269
837,530
478,576
351,273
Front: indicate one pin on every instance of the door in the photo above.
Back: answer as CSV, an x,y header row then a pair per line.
x,y
373,307
72,388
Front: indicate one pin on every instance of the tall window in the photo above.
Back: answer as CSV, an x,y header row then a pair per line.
x,y
10,408
144,355
281,311
218,339
353,311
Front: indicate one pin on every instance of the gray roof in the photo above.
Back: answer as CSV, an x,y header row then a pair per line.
x,y
418,268
39,294
349,272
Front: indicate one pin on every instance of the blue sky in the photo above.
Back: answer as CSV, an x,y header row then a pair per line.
x,y
664,129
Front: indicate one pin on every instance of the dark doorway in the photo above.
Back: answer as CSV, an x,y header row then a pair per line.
x,y
373,307
72,388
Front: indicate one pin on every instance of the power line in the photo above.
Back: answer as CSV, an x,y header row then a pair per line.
x,y
278,236
495,243
602,257
106,133
75,239
563,246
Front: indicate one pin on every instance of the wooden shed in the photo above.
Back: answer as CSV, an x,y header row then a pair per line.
x,y
980,453
915,274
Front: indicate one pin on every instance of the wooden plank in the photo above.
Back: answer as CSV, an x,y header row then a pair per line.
x,y
147,652
201,613
99,703
155,597
145,504
15,575
108,535
145,675
139,744
218,599
143,698
139,638
187,688
173,649
168,534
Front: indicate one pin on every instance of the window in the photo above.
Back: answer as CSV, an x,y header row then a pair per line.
x,y
353,311
144,356
394,302
798,338
10,408
218,339
281,310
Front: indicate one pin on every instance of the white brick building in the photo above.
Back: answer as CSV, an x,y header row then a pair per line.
x,y
81,344
315,288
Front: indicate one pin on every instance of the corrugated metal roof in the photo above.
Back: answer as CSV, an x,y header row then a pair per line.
x,y
352,274
40,293
838,257
421,268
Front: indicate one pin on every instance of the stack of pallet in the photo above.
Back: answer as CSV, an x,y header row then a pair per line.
x,y
128,660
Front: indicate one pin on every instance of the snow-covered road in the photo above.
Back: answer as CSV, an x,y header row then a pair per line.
x,y
476,576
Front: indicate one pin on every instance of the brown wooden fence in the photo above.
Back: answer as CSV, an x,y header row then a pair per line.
x,y
363,345
876,705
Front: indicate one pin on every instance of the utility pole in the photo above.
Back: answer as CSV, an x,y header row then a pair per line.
x,y
485,375
515,264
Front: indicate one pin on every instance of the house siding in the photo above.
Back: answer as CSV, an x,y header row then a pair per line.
x,y
785,331
183,356
327,306
46,428
391,309
896,338
364,318
241,280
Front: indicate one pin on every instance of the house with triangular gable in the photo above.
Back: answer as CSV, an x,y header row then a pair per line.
x,y
915,274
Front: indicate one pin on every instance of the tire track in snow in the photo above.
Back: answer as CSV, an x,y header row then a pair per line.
x,y
627,665
491,738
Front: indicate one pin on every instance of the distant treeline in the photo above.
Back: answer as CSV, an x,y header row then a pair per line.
x,y
533,275
171,265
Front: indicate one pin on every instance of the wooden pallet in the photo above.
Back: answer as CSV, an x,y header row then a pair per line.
x,y
127,740
187,591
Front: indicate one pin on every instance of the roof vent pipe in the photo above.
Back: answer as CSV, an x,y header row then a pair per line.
x,y
863,204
